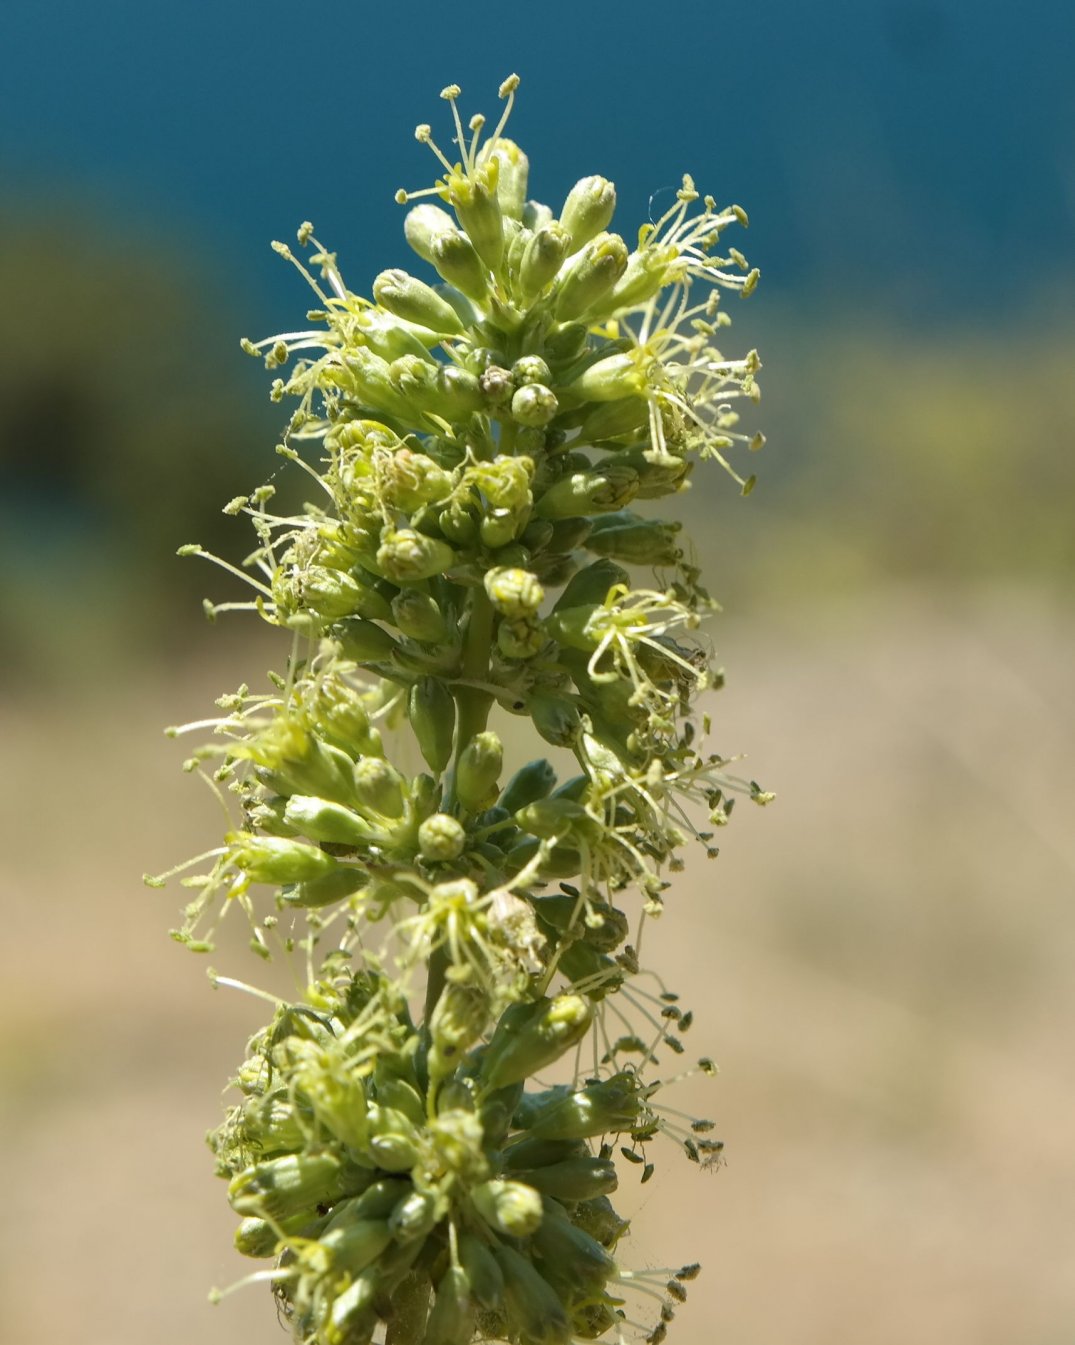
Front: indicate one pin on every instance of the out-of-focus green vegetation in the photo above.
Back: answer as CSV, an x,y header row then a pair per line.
x,y
898,456
128,417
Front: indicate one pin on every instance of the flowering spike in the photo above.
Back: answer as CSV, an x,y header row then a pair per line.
x,y
481,440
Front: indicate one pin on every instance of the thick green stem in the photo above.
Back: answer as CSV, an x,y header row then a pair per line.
x,y
473,704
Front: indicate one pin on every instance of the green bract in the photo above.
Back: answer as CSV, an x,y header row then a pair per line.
x,y
426,1137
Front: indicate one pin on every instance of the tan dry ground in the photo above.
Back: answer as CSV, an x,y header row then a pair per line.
x,y
881,963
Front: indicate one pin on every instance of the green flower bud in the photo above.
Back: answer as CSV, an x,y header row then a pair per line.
x,y
418,616
646,272
558,818
654,478
332,594
505,482
431,707
477,207
410,298
267,816
531,1036
337,886
605,927
534,405
363,642
352,1316
639,541
498,529
570,1257
533,1306
608,1107
380,1198
366,377
323,820
339,713
484,1275
523,1154
568,533
277,859
459,523
609,380
514,593
573,1179
529,783
441,838
478,770
464,309
556,718
591,273
610,420
600,1220
530,369
405,556
297,762
256,1237
409,480
454,1312
511,1208
513,171
281,1188
394,1143
423,224
379,786
604,488
398,1093
443,389
414,1216
588,209
497,385
457,1022
537,534
542,258
536,215
458,263
353,1244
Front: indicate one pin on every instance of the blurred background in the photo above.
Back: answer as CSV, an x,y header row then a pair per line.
x,y
881,961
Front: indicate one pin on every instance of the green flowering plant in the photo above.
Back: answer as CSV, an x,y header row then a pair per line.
x,y
403,1149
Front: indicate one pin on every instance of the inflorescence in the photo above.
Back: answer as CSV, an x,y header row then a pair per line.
x,y
476,442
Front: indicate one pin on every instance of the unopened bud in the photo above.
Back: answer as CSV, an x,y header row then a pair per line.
x,y
534,405
508,1207
514,593
531,1036
458,263
410,298
418,616
441,838
379,787
405,555
431,708
589,276
478,770
542,258
278,859
605,488
588,209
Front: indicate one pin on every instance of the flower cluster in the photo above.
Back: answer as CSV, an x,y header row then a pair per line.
x,y
477,440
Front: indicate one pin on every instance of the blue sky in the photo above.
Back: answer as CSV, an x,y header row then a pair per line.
x,y
914,155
